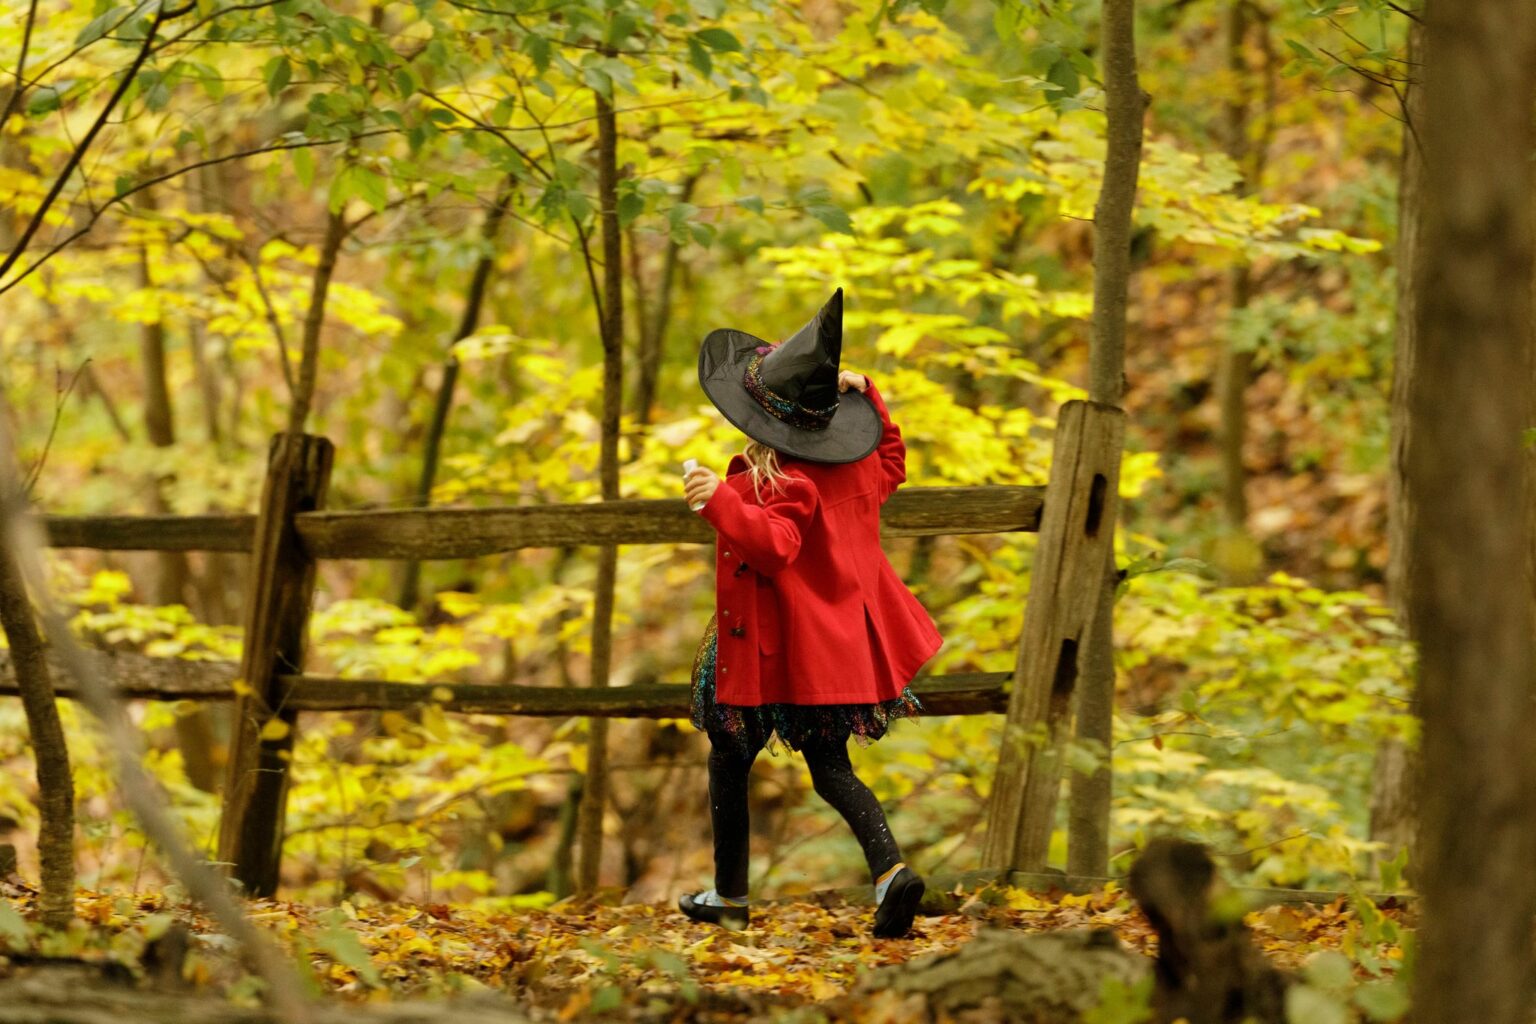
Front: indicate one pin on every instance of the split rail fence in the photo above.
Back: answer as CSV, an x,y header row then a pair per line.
x,y
291,532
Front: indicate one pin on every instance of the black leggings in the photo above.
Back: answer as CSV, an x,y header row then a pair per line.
x,y
831,773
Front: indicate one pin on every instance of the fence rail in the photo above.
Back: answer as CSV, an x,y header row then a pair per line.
x,y
445,533
143,677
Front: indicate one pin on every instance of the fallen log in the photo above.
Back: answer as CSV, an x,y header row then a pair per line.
x,y
1041,978
79,995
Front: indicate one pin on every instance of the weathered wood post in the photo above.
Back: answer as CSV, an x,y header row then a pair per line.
x,y
1076,528
279,592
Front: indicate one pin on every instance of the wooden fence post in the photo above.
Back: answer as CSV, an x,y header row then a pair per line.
x,y
1077,526
279,592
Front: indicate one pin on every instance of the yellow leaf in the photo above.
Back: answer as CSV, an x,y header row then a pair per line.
x,y
274,730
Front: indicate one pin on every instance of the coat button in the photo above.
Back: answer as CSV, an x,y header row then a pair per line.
x,y
726,612
726,554
738,631
723,670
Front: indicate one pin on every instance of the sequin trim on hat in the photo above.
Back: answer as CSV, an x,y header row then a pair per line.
x,y
794,725
793,413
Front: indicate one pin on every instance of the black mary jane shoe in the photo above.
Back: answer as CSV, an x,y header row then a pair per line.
x,y
736,918
893,917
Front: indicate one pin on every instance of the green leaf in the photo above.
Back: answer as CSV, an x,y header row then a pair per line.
x,y
405,81
277,73
609,997
699,57
538,50
832,216
704,234
304,165
45,100
1300,49
122,185
100,26
1383,1000
342,945
718,39
371,188
1329,970
630,207
1063,75
13,927
621,28
598,81
753,203
1306,1005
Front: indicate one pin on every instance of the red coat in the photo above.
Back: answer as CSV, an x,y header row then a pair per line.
x,y
808,608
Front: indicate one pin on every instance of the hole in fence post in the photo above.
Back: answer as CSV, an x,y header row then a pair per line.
x,y
1066,676
1095,504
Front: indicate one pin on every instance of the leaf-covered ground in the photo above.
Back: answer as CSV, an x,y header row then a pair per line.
x,y
581,958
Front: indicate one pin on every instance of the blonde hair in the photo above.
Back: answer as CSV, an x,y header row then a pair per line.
x,y
763,464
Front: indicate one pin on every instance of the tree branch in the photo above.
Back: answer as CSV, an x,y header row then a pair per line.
x,y
78,153
21,64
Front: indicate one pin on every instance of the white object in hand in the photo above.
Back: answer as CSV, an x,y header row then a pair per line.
x,y
689,466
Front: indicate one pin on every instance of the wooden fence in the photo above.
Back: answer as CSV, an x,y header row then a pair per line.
x,y
291,532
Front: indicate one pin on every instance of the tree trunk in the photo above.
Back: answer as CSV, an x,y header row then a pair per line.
x,y
194,727
1470,399
594,797
474,301
653,327
1090,794
1393,775
1235,366
55,784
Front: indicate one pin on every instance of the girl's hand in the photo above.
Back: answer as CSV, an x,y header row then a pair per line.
x,y
699,485
848,379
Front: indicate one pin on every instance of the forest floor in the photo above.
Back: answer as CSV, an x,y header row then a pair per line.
x,y
584,958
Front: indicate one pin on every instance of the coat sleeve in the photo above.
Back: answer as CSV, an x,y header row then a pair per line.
x,y
767,536
892,449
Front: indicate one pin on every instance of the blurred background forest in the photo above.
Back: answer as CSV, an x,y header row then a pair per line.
x,y
408,193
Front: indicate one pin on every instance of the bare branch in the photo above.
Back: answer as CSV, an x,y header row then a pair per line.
x,y
21,64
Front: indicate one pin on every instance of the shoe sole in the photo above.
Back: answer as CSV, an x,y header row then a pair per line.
x,y
903,898
730,922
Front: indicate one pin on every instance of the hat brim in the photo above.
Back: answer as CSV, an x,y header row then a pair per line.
x,y
855,429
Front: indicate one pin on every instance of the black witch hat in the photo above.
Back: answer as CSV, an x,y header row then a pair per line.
x,y
785,396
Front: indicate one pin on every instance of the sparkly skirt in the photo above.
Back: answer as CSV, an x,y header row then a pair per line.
x,y
793,724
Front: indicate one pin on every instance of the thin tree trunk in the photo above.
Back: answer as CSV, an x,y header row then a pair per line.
x,y
474,302
1470,400
1235,366
314,319
1393,775
194,728
1090,794
55,784
594,797
94,386
653,328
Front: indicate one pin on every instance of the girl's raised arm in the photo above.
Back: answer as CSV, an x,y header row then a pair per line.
x,y
892,449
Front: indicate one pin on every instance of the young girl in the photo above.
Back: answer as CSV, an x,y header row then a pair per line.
x,y
814,637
